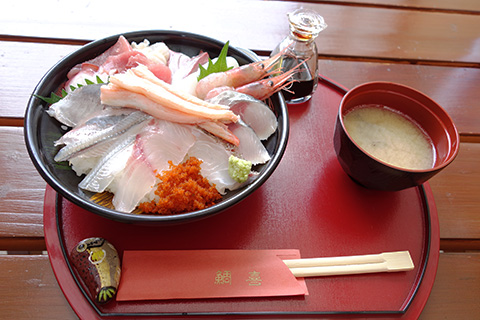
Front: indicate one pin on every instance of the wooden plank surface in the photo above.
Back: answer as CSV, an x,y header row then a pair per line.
x,y
30,290
456,286
454,190
362,32
28,62
461,6
21,194
34,294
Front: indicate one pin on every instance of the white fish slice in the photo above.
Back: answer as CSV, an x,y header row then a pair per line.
x,y
77,105
214,158
255,113
158,143
250,147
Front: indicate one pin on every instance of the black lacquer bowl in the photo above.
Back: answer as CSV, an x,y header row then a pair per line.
x,y
41,130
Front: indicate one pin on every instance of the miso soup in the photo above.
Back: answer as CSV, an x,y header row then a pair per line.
x,y
390,136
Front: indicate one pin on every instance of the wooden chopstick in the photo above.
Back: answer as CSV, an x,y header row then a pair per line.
x,y
328,266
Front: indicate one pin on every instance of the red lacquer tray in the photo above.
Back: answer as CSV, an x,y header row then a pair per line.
x,y
309,204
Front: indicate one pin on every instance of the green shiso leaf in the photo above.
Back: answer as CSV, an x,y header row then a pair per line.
x,y
54,98
219,66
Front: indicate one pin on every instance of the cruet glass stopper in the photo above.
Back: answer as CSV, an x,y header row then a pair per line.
x,y
306,24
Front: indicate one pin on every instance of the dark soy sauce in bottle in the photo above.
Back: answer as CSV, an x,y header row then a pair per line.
x,y
300,52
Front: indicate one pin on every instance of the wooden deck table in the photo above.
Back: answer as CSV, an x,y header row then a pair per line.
x,y
432,45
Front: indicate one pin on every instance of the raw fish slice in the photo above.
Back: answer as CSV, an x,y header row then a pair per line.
x,y
101,120
182,65
185,70
255,113
220,130
91,68
100,177
84,161
73,149
250,147
158,143
164,141
131,185
77,106
120,46
215,162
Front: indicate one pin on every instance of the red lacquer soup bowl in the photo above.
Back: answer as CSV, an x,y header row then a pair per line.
x,y
430,118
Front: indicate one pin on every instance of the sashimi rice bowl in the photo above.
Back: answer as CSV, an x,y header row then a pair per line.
x,y
158,126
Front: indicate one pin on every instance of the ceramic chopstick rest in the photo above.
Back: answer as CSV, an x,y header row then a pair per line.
x,y
97,263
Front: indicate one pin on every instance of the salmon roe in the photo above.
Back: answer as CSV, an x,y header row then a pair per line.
x,y
182,189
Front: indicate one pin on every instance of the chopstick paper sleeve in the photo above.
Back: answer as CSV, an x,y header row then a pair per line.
x,y
200,274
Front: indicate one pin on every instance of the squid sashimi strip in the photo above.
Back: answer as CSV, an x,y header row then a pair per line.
x,y
146,74
118,97
220,130
131,82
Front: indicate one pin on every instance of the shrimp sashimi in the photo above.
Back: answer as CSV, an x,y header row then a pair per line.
x,y
236,77
164,95
253,112
260,89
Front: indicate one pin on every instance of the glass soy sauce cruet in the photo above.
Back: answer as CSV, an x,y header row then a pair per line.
x,y
301,53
